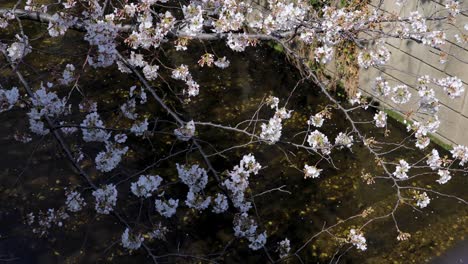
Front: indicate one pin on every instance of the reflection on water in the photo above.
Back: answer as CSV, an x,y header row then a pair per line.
x,y
33,175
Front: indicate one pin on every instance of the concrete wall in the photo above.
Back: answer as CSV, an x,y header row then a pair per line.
x,y
410,60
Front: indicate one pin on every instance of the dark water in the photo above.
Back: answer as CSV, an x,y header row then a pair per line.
x,y
33,175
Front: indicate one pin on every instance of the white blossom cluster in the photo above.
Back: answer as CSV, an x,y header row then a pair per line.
x,y
130,240
271,132
381,87
357,238
379,56
93,128
44,104
182,73
220,203
380,119
19,49
422,199
245,226
196,179
102,34
343,140
47,220
8,98
109,159
460,152
145,185
401,170
453,86
74,201
139,128
185,132
311,171
166,208
318,141
316,120
284,246
238,181
68,74
59,25
106,198
147,34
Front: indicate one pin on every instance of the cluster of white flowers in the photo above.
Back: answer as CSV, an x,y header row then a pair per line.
x,y
284,15
193,176
139,128
159,232
196,179
380,119
131,241
428,102
237,42
401,170
5,18
59,25
182,73
197,201
245,226
106,198
8,98
422,199
434,160
381,87
311,171
45,104
323,54
47,220
434,39
423,129
222,63
145,185
400,94
220,203
444,176
68,74
316,120
284,246
19,49
417,22
74,201
318,141
460,152
271,132
93,128
359,99
129,109
102,34
238,181
379,56
109,159
453,6
185,132
357,239
146,35
166,208
193,14
343,140
150,72
453,86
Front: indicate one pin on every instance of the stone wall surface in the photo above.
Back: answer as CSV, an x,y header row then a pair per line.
x,y
409,60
